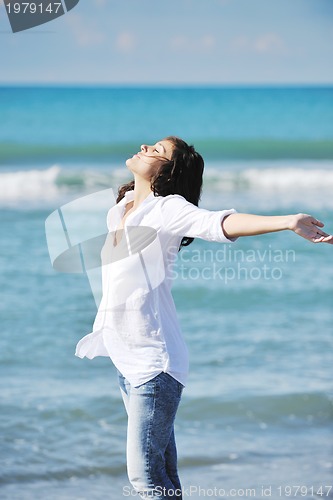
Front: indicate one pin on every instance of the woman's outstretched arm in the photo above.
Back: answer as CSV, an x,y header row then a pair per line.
x,y
235,225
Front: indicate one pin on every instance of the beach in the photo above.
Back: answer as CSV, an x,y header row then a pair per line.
x,y
256,415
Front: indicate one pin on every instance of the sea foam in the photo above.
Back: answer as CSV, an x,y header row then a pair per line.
x,y
59,184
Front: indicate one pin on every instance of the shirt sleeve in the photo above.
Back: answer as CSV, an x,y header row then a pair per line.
x,y
182,218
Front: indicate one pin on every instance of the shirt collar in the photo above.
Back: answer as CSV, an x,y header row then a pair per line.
x,y
129,196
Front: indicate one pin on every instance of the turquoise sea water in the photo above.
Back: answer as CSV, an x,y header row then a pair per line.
x,y
257,315
96,123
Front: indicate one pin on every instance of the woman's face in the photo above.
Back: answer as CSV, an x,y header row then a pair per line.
x,y
147,161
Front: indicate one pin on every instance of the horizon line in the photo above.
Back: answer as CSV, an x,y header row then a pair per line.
x,y
138,85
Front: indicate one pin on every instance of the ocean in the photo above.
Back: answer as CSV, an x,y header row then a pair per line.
x,y
256,415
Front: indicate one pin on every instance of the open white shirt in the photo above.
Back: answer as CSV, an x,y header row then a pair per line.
x,y
136,324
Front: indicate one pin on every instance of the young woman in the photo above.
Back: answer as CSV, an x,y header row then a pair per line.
x,y
136,324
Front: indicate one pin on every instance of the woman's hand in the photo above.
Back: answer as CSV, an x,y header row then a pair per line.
x,y
309,228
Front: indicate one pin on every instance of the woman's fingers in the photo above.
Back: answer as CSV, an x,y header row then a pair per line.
x,y
318,223
327,238
320,236
310,228
322,233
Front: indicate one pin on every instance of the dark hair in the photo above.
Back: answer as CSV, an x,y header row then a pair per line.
x,y
182,174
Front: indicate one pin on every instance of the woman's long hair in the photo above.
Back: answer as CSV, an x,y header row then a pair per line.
x,y
182,174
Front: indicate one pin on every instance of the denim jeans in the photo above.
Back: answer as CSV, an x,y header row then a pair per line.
x,y
151,446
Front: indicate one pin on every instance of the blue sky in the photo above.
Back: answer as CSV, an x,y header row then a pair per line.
x,y
176,42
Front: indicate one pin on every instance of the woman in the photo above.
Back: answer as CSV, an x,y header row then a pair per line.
x,y
136,324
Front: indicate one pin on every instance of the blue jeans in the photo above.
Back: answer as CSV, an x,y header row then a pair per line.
x,y
151,446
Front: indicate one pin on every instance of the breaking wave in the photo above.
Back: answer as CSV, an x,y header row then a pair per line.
x,y
52,185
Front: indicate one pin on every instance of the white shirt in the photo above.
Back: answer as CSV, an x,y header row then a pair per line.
x,y
136,324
